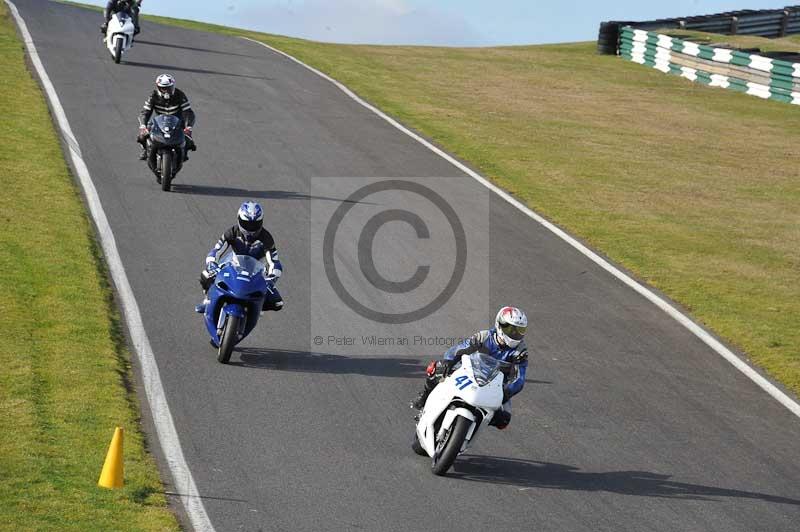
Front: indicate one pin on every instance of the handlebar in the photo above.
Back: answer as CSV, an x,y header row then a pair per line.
x,y
216,268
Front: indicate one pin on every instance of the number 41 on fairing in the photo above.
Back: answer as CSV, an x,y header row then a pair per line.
x,y
463,381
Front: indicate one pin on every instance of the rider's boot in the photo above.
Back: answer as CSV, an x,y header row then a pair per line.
x,y
501,419
190,146
273,301
419,402
274,305
143,153
201,308
436,371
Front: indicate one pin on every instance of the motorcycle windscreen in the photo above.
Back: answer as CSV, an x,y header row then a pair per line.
x,y
485,367
167,129
243,264
122,21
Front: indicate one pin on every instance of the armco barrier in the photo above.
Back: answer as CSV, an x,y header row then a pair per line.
x,y
719,67
760,22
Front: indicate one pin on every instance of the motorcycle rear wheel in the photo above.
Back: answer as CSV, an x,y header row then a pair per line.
x,y
444,459
228,339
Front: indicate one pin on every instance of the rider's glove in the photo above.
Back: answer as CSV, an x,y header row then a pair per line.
x,y
188,131
431,369
439,369
142,133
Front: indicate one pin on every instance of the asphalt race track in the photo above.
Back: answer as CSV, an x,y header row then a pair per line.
x,y
627,422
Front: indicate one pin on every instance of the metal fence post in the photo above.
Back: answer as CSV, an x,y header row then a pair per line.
x,y
784,24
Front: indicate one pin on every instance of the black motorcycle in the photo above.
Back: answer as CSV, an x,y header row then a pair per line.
x,y
166,145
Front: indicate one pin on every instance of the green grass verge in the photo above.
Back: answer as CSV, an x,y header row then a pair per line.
x,y
692,188
64,365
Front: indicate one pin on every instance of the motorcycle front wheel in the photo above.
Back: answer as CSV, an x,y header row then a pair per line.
x,y
118,51
228,339
446,453
166,170
416,447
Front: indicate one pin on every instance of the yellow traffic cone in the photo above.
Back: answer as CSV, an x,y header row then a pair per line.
x,y
113,470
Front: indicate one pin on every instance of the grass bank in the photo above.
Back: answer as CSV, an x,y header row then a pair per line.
x,y
64,365
692,188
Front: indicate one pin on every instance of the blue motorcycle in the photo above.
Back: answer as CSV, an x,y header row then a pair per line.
x,y
235,301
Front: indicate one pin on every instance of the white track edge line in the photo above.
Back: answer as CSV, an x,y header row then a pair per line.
x,y
162,418
681,318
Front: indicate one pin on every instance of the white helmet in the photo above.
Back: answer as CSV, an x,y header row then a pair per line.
x,y
251,218
165,85
511,324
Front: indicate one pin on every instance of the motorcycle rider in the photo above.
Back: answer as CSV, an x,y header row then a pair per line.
x,y
132,7
166,99
504,342
247,237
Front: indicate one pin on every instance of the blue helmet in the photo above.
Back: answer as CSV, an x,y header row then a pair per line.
x,y
251,218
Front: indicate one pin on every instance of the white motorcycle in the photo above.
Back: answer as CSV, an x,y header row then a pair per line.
x,y
119,34
459,405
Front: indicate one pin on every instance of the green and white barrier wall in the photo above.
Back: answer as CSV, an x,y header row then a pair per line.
x,y
718,67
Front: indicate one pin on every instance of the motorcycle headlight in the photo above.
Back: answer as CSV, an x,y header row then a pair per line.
x,y
483,380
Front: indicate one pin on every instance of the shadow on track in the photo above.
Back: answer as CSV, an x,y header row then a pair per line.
x,y
192,70
306,362
207,50
204,497
545,475
204,190
141,495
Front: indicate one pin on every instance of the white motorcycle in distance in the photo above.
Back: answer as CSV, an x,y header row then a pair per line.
x,y
459,405
119,34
